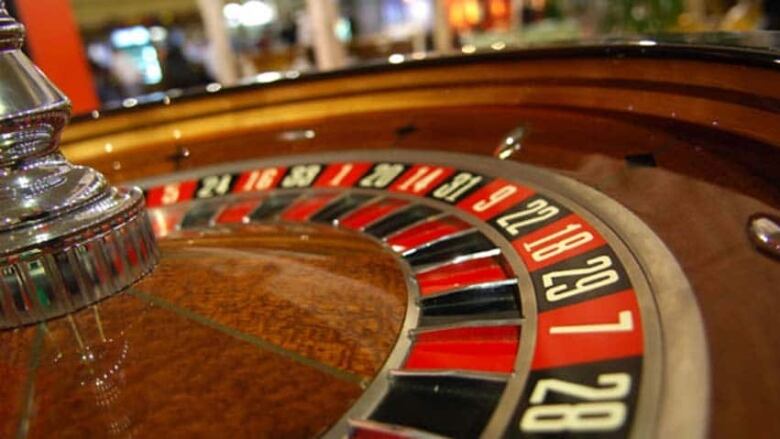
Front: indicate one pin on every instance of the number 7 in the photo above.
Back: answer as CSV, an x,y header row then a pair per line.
x,y
625,323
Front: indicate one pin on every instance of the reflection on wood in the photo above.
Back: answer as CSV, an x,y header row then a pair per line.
x,y
711,129
260,331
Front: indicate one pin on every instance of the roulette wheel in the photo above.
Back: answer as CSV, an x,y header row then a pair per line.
x,y
559,242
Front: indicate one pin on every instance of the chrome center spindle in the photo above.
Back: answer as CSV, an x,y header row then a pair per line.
x,y
67,238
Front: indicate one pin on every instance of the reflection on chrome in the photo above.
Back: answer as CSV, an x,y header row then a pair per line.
x,y
296,135
764,232
512,143
67,238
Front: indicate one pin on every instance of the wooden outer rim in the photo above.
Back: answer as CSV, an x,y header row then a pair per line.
x,y
737,99
696,195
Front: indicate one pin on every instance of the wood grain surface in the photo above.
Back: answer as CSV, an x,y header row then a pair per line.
x,y
270,332
706,136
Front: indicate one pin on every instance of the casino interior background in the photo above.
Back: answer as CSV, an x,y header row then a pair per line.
x,y
116,50
390,218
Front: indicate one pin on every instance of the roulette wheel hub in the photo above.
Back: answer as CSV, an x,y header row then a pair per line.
x,y
380,290
67,239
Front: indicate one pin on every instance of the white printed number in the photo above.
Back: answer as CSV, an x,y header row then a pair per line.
x,y
597,274
301,176
421,179
557,243
495,198
625,323
214,185
343,172
170,194
601,411
382,175
536,212
457,187
260,180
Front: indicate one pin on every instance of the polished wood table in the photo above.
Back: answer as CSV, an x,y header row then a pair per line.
x,y
685,138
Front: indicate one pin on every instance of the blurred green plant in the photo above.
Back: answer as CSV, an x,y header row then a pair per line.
x,y
641,16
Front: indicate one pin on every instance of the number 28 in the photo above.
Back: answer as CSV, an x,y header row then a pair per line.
x,y
601,411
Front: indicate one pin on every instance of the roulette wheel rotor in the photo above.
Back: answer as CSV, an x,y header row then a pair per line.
x,y
341,257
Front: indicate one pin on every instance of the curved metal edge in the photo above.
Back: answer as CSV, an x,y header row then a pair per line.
x,y
662,48
684,393
45,284
27,94
99,214
500,419
684,404
380,385
11,31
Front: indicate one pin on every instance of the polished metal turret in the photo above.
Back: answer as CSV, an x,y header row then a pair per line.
x,y
67,238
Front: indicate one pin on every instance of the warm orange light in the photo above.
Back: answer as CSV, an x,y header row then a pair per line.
x,y
456,15
473,12
465,14
498,9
